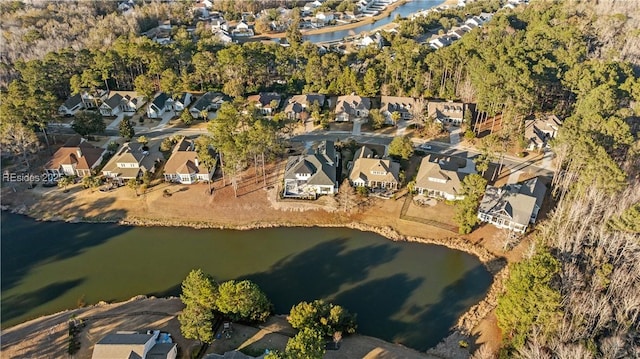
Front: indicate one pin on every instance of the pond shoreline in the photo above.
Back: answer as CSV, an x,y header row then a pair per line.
x,y
497,266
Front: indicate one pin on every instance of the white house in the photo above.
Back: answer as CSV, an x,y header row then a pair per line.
x,y
71,106
266,102
540,130
404,106
130,161
312,174
375,173
181,102
76,158
325,17
242,30
125,344
440,178
210,101
159,105
121,101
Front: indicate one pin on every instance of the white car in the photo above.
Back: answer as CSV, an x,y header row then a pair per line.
x,y
424,147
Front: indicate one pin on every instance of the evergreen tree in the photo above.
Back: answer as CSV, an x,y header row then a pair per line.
x,y
243,301
308,344
126,129
401,147
88,122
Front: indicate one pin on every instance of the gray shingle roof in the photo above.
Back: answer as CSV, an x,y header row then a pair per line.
x,y
320,164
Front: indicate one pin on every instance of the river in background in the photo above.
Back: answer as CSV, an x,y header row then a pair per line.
x,y
404,10
407,293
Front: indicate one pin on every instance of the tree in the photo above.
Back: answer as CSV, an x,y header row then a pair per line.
x,y
401,147
169,82
88,122
346,196
294,36
370,83
473,187
187,118
65,181
126,129
308,344
395,117
19,140
133,184
628,221
143,140
92,182
199,294
377,119
327,318
243,301
145,86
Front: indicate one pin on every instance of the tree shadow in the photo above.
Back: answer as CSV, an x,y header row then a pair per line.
x,y
320,271
27,243
17,305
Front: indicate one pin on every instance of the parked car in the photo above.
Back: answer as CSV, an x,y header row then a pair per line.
x,y
50,184
424,146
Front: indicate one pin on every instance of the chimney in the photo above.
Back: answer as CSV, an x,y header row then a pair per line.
x,y
197,162
79,152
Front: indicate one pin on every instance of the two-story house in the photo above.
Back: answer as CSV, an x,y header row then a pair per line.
x,y
129,162
312,174
121,101
351,107
539,131
210,101
76,158
402,105
513,206
266,102
159,105
374,173
72,105
446,112
184,166
298,106
440,178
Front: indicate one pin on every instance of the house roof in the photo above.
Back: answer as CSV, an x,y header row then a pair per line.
x,y
297,103
320,164
441,109
113,101
160,100
183,160
446,170
537,129
208,99
73,101
351,103
395,103
513,202
160,350
127,154
364,164
182,98
264,98
128,346
84,156
232,355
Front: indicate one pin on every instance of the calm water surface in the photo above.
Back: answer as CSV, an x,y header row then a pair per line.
x,y
402,292
410,7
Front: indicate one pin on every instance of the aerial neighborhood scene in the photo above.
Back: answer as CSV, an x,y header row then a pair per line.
x,y
307,179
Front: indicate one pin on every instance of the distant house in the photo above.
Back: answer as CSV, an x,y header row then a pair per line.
x,y
242,30
222,36
312,174
91,100
513,206
130,161
446,112
539,131
76,158
374,173
298,105
266,102
121,101
324,17
182,101
350,107
219,24
440,178
184,166
440,42
132,345
208,102
402,105
71,106
159,105
368,40
457,33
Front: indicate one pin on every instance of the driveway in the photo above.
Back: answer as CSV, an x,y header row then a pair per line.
x,y
454,135
115,123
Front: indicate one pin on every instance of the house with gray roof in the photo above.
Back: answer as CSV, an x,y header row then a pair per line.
x,y
298,106
71,106
448,112
402,105
133,345
159,105
539,131
130,161
121,101
350,107
210,101
312,174
375,173
513,206
440,178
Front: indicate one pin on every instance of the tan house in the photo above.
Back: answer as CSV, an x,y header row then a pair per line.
x,y
539,131
447,112
402,105
133,345
440,178
130,162
76,158
298,106
266,102
374,173
350,107
184,166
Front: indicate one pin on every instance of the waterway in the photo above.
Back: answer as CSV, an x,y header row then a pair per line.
x,y
407,293
404,10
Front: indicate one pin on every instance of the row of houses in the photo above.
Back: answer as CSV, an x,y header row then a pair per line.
x,y
456,33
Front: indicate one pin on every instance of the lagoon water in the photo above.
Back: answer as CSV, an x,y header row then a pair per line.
x,y
406,293
404,10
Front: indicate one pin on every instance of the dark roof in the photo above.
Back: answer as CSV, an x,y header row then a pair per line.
x,y
207,99
265,98
114,101
73,101
160,351
161,100
321,165
118,338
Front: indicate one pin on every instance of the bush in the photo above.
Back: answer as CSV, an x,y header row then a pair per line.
x,y
362,191
327,318
166,145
